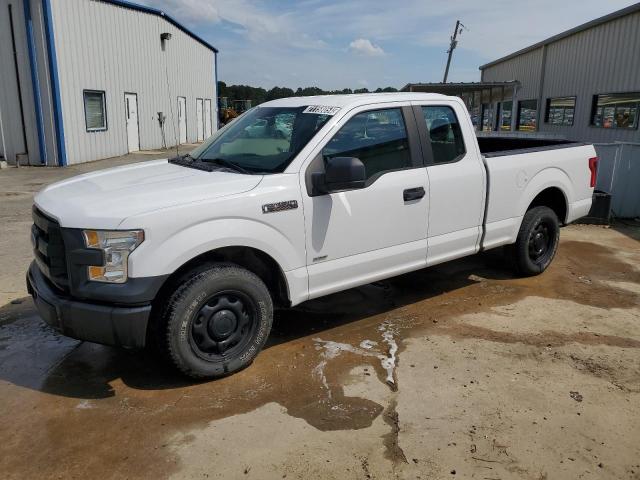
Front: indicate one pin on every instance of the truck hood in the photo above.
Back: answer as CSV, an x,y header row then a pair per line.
x,y
104,199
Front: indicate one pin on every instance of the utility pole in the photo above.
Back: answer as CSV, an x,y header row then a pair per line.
x,y
452,47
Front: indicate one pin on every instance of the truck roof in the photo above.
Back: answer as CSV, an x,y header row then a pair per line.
x,y
353,100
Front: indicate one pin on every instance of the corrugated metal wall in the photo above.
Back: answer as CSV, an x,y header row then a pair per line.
x,y
602,59
44,79
106,47
526,66
11,132
619,174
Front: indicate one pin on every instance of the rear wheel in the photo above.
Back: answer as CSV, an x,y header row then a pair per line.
x,y
537,241
217,321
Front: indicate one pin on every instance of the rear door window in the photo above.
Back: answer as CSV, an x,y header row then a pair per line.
x,y
378,138
444,133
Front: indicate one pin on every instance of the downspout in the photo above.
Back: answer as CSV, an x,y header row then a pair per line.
x,y
55,82
37,97
215,76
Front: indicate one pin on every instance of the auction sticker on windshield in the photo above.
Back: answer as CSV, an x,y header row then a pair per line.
x,y
321,110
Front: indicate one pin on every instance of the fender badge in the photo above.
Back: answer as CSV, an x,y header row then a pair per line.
x,y
280,206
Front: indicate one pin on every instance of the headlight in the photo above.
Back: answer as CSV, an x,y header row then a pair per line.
x,y
116,245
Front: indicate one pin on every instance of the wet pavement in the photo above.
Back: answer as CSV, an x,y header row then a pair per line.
x,y
459,368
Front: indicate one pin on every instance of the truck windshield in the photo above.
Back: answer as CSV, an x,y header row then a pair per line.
x,y
263,140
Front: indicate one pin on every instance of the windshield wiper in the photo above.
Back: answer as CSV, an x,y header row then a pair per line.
x,y
208,165
230,165
188,161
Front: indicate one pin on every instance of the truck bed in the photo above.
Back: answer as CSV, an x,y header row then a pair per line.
x,y
496,146
516,175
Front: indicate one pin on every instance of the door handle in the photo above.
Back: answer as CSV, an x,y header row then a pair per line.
x,y
413,194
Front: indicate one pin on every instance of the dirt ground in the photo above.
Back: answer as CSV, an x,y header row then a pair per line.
x,y
458,371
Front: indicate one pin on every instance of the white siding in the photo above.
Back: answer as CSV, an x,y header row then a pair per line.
x,y
101,46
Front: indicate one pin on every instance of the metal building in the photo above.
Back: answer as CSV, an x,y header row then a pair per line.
x,y
582,84
89,79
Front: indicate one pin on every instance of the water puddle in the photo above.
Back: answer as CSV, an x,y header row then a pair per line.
x,y
367,349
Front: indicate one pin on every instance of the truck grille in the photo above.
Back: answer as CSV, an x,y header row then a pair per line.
x,y
48,249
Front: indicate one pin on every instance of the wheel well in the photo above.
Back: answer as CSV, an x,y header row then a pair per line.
x,y
254,260
553,198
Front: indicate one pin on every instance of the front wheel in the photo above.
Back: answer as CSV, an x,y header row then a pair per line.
x,y
537,241
217,321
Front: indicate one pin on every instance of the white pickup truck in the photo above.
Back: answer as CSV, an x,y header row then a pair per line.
x,y
296,199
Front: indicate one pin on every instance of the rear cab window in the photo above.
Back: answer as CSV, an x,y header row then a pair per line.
x,y
444,133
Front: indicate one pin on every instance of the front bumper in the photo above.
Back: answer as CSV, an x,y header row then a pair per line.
x,y
107,324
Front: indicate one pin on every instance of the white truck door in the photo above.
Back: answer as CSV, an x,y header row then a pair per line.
x,y
357,236
456,178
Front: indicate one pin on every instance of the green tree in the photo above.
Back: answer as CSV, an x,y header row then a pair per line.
x,y
258,95
279,92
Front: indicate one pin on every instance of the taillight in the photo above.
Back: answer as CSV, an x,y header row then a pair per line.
x,y
593,168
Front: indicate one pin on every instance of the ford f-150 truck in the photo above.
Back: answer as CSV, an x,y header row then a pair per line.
x,y
296,199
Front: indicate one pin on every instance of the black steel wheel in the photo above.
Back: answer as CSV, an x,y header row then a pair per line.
x,y
223,325
216,321
537,241
540,241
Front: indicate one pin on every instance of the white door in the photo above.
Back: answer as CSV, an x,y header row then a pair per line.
x,y
182,120
207,118
457,180
131,110
199,119
361,235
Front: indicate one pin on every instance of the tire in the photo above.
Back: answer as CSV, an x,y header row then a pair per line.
x,y
216,322
537,242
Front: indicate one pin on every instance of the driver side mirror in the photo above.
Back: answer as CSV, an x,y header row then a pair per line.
x,y
341,173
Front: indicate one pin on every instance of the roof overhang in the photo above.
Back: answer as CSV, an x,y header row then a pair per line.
x,y
456,88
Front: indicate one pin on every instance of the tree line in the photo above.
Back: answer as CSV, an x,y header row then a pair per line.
x,y
258,95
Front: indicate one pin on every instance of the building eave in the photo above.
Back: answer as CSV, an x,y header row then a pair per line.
x,y
160,13
459,86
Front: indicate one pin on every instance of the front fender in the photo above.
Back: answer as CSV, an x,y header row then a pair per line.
x,y
165,256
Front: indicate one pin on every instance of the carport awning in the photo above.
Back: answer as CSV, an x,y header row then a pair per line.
x,y
457,88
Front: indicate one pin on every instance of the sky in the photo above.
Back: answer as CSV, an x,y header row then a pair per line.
x,y
335,44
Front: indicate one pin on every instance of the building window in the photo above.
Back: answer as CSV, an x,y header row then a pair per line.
x,y
445,134
560,110
476,112
95,110
616,110
504,123
527,111
487,117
